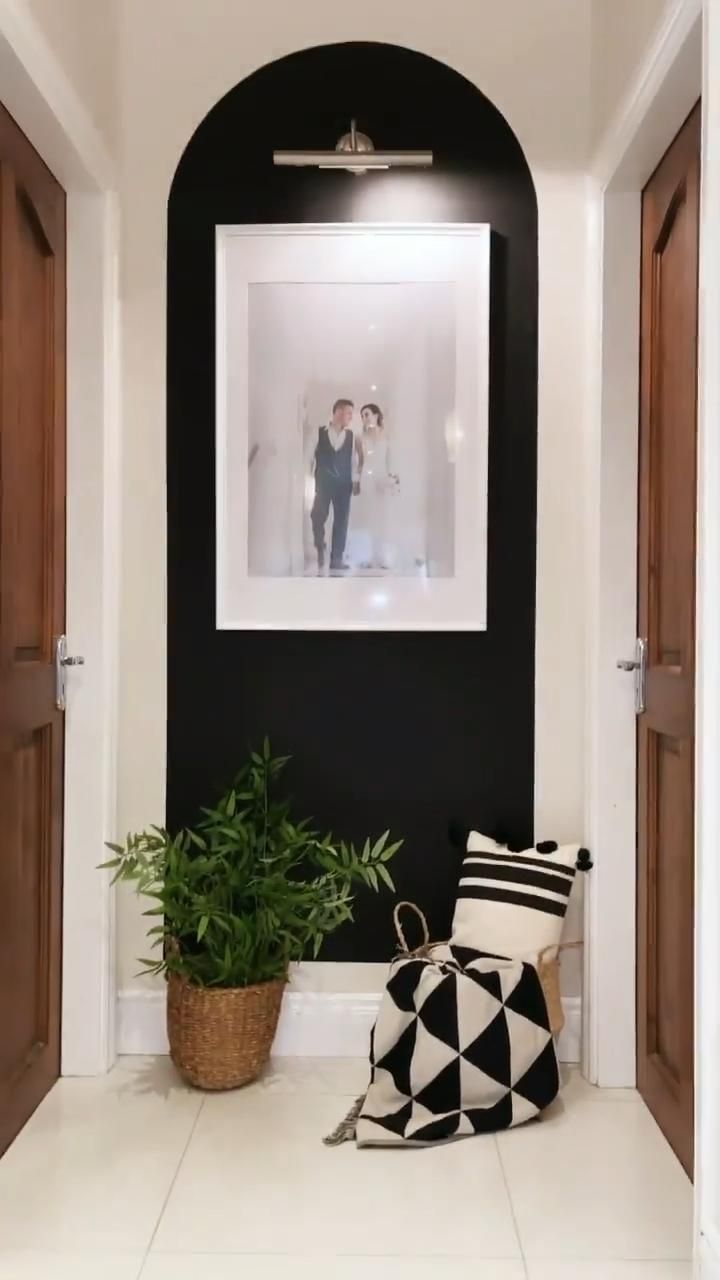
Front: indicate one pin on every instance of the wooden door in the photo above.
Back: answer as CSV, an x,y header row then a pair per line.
x,y
32,614
666,729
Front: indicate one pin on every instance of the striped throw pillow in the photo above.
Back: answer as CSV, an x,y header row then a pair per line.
x,y
513,904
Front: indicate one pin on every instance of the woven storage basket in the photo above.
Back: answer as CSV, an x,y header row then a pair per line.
x,y
548,967
220,1038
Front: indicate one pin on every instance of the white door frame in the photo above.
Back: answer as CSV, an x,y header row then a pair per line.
x,y
665,91
37,93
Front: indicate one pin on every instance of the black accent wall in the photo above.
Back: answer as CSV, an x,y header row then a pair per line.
x,y
385,730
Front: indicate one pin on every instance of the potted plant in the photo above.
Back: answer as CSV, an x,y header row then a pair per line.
x,y
235,900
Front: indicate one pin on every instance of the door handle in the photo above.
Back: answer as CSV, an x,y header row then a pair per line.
x,y
62,661
638,666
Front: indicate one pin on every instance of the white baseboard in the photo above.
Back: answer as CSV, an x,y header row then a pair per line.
x,y
325,1025
140,1027
312,1025
570,1039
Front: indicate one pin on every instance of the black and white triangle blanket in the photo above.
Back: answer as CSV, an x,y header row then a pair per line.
x,y
462,1045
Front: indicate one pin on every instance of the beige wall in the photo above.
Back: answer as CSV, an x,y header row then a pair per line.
x,y
82,36
177,58
622,31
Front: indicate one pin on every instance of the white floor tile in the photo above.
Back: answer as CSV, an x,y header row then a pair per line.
x,y
214,1267
256,1179
597,1181
342,1077
592,1184
91,1170
577,1089
351,1075
609,1271
69,1266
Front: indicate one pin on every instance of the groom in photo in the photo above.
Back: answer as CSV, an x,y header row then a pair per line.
x,y
336,466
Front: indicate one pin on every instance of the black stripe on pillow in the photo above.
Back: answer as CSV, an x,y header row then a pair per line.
x,y
546,863
547,905
522,875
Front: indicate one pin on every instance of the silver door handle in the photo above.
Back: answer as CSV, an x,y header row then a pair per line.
x,y
637,665
63,660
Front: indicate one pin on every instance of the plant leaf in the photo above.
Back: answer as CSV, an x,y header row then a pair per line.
x,y
385,876
379,845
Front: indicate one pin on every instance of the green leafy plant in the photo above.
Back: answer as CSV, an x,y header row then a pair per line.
x,y
248,890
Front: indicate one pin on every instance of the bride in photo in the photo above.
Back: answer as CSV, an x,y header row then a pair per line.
x,y
371,507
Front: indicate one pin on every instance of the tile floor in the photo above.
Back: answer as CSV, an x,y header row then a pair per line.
x,y
134,1177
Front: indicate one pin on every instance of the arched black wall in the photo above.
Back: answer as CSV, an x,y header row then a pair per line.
x,y
442,724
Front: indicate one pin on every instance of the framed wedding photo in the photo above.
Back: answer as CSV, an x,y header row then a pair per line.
x,y
352,426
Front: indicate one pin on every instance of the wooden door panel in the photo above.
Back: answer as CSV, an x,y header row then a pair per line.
x,y
31,460
670,773
671,603
24,880
32,595
666,619
27,547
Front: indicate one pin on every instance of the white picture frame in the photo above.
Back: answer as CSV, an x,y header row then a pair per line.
x,y
295,333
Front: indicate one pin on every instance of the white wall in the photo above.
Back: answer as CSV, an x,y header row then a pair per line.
x,y
621,34
177,58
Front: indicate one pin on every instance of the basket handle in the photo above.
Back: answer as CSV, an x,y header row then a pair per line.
x,y
399,929
558,948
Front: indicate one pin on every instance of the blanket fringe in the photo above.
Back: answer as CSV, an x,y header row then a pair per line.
x,y
345,1131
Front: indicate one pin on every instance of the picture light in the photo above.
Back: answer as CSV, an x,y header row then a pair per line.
x,y
355,152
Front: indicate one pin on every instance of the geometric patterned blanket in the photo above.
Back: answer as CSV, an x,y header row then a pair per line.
x,y
461,1045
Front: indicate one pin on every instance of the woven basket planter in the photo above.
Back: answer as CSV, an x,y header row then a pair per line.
x,y
221,1037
